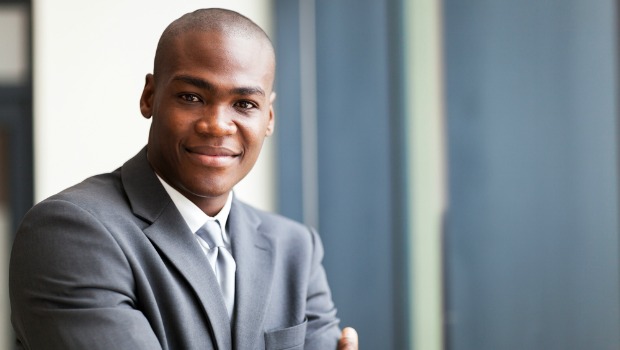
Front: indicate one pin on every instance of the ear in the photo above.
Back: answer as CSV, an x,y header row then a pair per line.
x,y
270,125
146,100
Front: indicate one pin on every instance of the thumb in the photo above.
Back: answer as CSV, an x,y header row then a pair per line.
x,y
348,339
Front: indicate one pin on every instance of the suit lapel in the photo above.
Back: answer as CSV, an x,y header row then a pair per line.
x,y
252,250
173,238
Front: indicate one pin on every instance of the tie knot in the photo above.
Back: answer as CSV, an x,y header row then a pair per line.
x,y
211,232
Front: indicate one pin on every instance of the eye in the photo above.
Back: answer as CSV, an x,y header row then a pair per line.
x,y
189,98
245,105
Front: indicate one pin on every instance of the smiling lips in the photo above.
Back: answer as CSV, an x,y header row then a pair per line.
x,y
212,156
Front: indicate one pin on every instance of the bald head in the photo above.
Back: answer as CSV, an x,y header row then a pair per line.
x,y
218,20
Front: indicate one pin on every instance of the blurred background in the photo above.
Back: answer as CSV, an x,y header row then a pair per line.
x,y
458,157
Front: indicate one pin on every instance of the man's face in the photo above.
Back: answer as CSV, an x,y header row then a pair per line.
x,y
211,104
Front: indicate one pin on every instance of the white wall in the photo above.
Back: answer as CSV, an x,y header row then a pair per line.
x,y
90,60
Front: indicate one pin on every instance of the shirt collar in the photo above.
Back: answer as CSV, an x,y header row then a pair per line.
x,y
194,216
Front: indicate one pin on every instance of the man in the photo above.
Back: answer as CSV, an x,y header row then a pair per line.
x,y
130,260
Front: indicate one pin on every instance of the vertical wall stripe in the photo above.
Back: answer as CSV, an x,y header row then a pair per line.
x,y
400,208
288,107
425,144
341,63
309,137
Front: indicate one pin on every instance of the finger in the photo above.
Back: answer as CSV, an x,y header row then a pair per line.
x,y
348,339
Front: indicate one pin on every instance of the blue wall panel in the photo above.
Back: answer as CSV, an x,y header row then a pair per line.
x,y
532,240
354,168
359,169
288,109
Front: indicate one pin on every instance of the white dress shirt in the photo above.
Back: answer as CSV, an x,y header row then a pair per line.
x,y
194,217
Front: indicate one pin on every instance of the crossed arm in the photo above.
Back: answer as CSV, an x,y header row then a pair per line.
x,y
38,277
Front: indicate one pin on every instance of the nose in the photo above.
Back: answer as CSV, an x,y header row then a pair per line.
x,y
216,121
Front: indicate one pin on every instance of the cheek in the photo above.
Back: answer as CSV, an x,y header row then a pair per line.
x,y
172,126
254,131
254,138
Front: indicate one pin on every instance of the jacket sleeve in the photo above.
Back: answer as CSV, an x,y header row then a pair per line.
x,y
322,330
71,286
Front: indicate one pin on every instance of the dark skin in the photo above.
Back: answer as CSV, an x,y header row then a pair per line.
x,y
212,108
211,105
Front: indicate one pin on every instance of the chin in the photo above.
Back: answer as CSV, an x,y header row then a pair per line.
x,y
210,191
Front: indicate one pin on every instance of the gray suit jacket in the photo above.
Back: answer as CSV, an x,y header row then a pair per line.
x,y
110,264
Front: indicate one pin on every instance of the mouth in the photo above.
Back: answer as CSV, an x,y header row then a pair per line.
x,y
212,156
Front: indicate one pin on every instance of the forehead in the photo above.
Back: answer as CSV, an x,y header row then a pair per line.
x,y
225,56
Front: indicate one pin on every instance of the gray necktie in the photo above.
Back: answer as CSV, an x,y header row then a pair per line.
x,y
221,260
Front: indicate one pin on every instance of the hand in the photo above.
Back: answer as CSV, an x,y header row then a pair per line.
x,y
348,339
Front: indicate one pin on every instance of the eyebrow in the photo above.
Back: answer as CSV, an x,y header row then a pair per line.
x,y
203,84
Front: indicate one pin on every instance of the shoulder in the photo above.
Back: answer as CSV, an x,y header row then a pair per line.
x,y
93,194
68,224
272,222
284,231
110,193
103,187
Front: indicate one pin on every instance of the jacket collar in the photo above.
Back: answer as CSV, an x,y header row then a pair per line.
x,y
253,253
252,250
170,234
